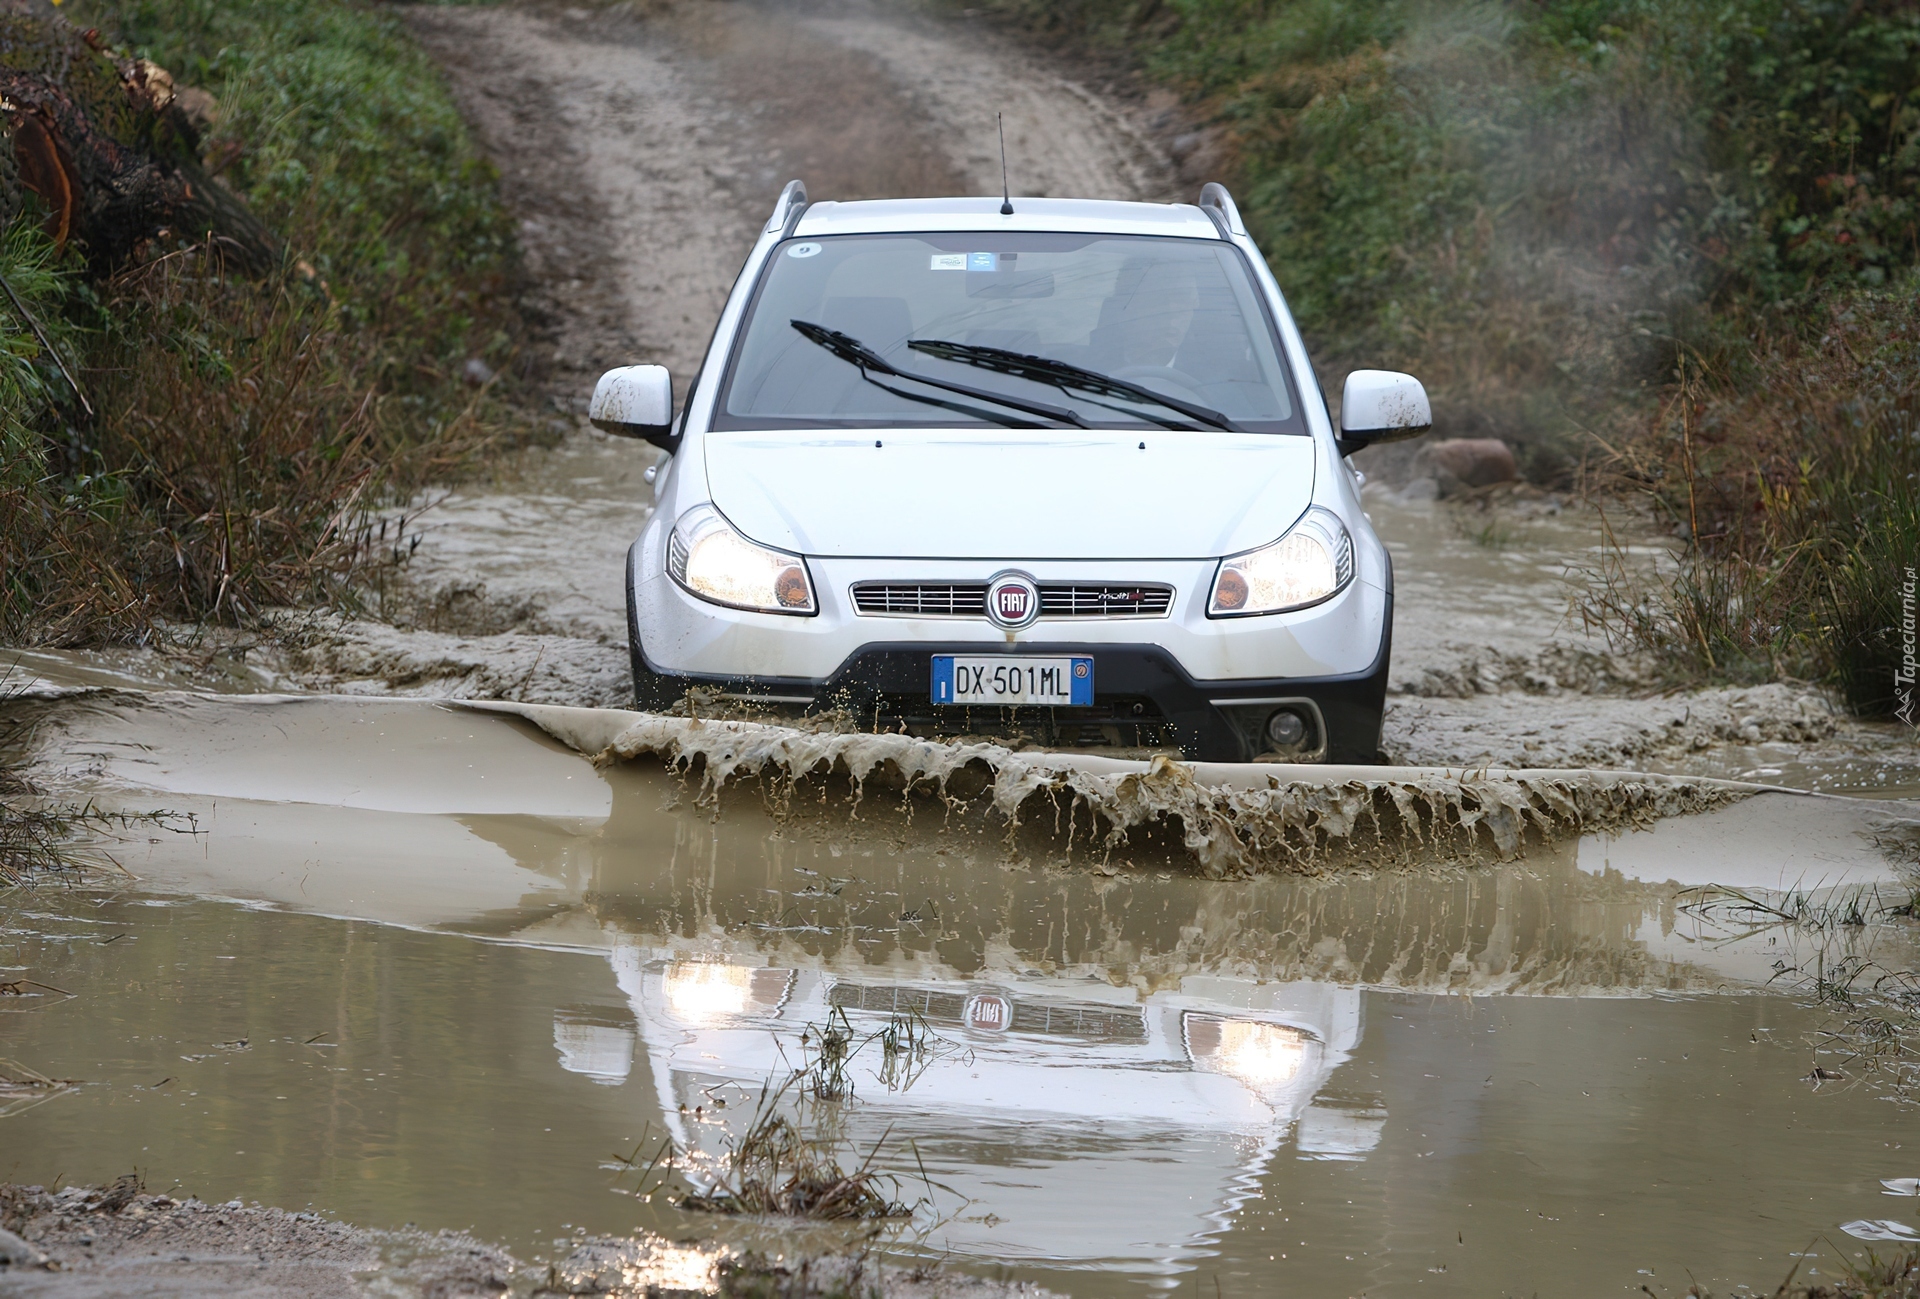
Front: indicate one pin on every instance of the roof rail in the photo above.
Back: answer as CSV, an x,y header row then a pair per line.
x,y
1218,204
792,202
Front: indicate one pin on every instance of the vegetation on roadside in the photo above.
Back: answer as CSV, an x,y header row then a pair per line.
x,y
1799,483
1666,248
1897,1277
241,427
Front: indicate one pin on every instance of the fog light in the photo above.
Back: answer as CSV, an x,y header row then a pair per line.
x,y
1286,729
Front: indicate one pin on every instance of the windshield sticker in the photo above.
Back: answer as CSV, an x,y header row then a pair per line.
x,y
949,262
983,261
803,250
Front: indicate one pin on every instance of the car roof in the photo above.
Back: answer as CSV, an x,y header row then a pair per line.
x,y
1072,215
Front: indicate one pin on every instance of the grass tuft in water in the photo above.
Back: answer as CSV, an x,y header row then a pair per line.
x,y
774,1169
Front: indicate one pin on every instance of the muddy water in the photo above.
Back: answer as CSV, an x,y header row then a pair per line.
x,y
408,964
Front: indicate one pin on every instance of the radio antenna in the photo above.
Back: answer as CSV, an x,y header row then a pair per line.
x,y
1006,199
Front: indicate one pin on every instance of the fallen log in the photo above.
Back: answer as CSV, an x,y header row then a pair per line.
x,y
100,146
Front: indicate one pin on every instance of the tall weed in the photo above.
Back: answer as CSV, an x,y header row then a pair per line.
x,y
1794,480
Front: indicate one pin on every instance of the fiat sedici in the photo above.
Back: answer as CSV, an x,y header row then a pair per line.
x,y
1041,468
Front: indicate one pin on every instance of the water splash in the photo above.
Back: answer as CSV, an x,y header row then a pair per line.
x,y
1230,819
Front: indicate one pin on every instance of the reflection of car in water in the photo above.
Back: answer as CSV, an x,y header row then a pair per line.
x,y
911,475
1040,1095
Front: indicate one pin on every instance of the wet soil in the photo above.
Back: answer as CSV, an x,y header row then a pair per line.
x,y
118,1242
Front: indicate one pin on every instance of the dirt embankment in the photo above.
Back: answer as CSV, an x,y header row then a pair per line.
x,y
117,1242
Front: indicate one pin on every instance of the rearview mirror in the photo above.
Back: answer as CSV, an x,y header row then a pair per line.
x,y
635,401
1382,406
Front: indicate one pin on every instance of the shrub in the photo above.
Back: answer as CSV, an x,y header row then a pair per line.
x,y
244,427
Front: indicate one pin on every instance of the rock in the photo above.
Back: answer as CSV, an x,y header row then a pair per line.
x,y
477,372
15,1252
1461,463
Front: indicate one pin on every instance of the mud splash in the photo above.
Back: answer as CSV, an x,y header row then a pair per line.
x,y
1217,819
1232,819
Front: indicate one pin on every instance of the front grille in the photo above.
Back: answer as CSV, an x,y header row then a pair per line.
x,y
922,599
1085,1020
1104,601
969,599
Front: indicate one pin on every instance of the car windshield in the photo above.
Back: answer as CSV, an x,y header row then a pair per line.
x,y
1019,330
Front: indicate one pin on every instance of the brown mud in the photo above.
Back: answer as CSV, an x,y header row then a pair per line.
x,y
1100,813
118,1242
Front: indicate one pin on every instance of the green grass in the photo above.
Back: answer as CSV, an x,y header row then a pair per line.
x,y
244,427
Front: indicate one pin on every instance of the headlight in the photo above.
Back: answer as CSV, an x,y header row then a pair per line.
x,y
710,559
1310,564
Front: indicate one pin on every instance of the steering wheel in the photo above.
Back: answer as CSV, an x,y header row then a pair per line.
x,y
1167,375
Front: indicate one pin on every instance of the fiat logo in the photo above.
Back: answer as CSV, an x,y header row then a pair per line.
x,y
988,1012
1013,601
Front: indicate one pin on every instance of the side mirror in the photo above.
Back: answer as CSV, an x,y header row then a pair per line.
x,y
1382,406
635,401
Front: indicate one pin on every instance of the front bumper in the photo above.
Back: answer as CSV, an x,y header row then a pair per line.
x,y
1137,688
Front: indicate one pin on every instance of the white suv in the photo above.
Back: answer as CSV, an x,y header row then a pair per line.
x,y
1047,466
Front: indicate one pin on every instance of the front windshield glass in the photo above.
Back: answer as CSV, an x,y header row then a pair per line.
x,y
1013,330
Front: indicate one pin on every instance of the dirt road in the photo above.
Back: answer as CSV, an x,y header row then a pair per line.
x,y
642,151
642,155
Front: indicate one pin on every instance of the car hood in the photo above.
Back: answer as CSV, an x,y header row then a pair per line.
x,y
927,494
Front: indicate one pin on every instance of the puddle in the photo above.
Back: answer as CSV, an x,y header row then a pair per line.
x,y
418,964
1123,1093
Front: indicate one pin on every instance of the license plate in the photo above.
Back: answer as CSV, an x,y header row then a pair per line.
x,y
1012,679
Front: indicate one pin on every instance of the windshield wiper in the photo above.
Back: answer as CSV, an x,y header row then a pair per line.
x,y
1059,374
858,354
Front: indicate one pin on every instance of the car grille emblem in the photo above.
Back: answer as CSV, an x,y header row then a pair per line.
x,y
988,1012
1013,601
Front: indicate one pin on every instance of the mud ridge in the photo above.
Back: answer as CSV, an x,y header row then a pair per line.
x,y
1231,819
87,1242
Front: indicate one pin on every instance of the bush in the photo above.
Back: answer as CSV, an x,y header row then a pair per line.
x,y
1796,477
244,427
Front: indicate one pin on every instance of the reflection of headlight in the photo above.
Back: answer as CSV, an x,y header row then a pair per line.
x,y
705,990
1312,562
1259,1055
710,559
